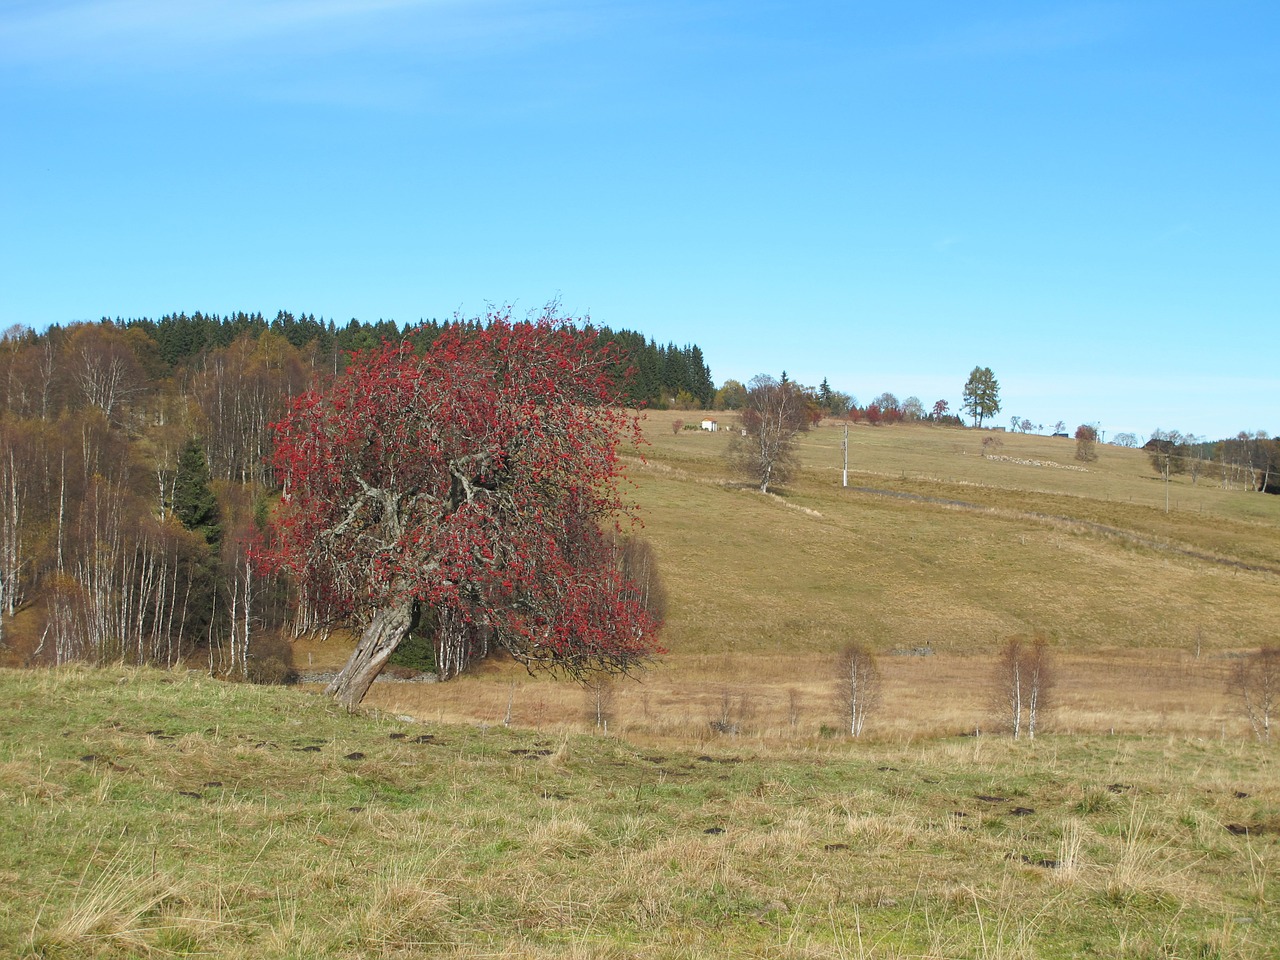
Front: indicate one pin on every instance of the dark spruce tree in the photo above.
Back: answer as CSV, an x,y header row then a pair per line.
x,y
196,507
700,383
194,502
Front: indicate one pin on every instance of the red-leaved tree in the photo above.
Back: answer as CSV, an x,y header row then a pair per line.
x,y
471,492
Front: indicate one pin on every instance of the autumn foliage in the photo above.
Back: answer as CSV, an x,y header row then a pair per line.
x,y
471,491
1087,443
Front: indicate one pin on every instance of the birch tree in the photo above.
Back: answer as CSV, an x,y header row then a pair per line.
x,y
857,687
1024,680
1255,682
764,449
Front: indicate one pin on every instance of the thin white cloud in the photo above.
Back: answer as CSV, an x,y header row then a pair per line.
x,y
143,36
375,54
95,27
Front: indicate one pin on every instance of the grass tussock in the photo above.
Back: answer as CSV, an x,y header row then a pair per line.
x,y
114,908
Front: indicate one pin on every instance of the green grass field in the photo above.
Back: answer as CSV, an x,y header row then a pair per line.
x,y
150,814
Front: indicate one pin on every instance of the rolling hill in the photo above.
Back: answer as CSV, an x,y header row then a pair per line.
x,y
933,549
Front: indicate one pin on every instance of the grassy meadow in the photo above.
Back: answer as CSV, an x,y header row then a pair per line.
x,y
932,547
721,813
145,814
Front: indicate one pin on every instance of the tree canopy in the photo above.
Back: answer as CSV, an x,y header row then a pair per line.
x,y
981,395
473,487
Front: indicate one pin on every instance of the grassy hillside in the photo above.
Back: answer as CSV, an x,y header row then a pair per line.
x,y
954,549
150,814
931,546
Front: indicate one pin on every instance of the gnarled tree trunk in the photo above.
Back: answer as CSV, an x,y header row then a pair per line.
x,y
379,640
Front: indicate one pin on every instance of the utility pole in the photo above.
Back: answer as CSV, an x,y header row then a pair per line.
x,y
845,475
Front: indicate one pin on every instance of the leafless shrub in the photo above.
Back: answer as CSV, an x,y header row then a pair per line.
x,y
793,707
857,686
1023,684
1255,682
677,425
601,696
732,712
271,661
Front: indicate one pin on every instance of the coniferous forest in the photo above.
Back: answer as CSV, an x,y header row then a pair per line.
x,y
134,482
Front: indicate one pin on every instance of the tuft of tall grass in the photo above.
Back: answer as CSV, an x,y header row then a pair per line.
x,y
115,907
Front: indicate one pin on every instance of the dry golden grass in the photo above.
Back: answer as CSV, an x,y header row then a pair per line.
x,y
790,698
824,562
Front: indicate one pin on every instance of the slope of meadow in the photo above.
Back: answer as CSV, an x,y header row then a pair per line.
x,y
145,814
721,812
954,549
932,547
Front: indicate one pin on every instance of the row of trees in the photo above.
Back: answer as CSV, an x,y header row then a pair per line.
x,y
1020,694
981,402
887,409
179,338
1248,461
136,483
663,377
102,554
823,401
1023,679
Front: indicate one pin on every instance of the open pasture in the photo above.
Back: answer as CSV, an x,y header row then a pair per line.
x,y
722,812
932,548
149,814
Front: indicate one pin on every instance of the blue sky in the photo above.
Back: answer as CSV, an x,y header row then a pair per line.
x,y
1082,196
